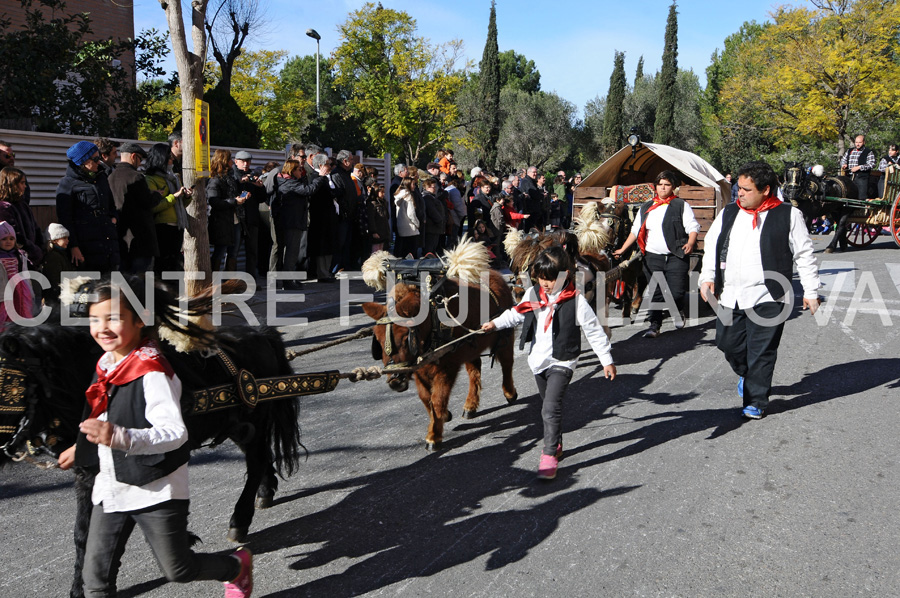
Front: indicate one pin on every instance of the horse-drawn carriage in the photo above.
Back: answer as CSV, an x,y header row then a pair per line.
x,y
817,194
627,176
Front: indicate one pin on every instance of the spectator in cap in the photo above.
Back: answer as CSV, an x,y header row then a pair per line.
x,y
170,216
85,206
248,212
15,210
56,260
136,234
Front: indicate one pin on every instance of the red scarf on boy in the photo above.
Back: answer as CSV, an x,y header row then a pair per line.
x,y
642,233
566,294
144,359
767,204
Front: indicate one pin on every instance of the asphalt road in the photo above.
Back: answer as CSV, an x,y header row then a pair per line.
x,y
664,489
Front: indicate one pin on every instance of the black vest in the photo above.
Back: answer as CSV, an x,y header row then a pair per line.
x,y
774,247
566,332
672,225
127,408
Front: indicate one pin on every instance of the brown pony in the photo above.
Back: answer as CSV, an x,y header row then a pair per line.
x,y
407,328
626,280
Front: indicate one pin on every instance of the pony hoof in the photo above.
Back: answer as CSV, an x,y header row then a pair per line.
x,y
264,502
237,534
448,416
470,413
512,399
432,447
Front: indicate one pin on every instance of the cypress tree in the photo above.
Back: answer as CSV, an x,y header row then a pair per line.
x,y
639,73
490,91
664,128
613,125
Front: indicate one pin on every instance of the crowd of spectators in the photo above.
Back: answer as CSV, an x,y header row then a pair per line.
x,y
121,207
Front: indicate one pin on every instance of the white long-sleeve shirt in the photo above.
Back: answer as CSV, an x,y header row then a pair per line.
x,y
407,220
744,282
168,432
541,353
656,243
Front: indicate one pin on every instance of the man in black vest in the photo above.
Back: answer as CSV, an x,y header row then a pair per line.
x,y
747,266
666,232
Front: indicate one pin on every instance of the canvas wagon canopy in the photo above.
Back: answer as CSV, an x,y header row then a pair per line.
x,y
648,161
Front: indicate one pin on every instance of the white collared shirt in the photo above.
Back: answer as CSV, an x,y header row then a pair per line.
x,y
541,355
744,285
656,243
167,433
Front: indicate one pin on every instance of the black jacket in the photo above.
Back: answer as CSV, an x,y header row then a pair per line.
x,y
290,208
249,210
435,215
345,193
84,205
221,192
137,209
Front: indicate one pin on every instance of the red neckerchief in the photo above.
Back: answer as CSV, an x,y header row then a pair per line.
x,y
767,204
642,233
144,359
566,294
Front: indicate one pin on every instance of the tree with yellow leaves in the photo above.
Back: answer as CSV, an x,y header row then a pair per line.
x,y
401,87
815,73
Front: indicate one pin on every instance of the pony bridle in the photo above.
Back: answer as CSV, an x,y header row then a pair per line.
x,y
412,342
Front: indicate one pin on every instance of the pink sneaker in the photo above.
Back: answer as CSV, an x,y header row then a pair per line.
x,y
547,468
559,451
242,585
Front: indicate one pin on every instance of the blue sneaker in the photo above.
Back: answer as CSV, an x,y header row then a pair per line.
x,y
752,412
741,387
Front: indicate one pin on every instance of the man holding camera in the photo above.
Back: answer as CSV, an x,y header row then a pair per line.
x,y
248,212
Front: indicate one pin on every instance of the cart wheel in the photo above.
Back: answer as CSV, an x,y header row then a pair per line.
x,y
895,220
860,235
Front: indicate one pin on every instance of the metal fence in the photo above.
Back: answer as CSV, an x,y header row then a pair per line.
x,y
42,157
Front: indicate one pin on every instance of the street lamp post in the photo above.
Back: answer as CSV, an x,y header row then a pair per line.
x,y
315,35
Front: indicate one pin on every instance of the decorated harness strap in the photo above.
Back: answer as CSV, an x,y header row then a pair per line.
x,y
248,391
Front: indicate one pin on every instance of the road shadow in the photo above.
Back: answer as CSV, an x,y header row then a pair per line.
x,y
841,380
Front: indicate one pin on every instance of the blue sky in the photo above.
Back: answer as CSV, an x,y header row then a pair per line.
x,y
571,41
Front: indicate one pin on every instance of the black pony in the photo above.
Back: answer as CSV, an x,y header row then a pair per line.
x,y
51,367
807,192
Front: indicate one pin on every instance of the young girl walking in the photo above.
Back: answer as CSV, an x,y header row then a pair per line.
x,y
13,261
552,312
136,432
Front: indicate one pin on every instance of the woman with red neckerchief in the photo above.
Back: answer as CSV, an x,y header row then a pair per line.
x,y
666,232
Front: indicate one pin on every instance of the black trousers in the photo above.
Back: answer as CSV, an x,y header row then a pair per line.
x,y
751,347
552,384
675,272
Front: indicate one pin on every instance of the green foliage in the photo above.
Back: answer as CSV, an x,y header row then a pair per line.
x,y
489,94
639,72
517,72
537,129
818,75
51,77
228,124
333,128
613,124
401,88
664,128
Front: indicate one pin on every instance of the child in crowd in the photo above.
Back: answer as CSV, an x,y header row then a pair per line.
x,y
135,432
555,212
56,260
553,312
824,226
13,260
